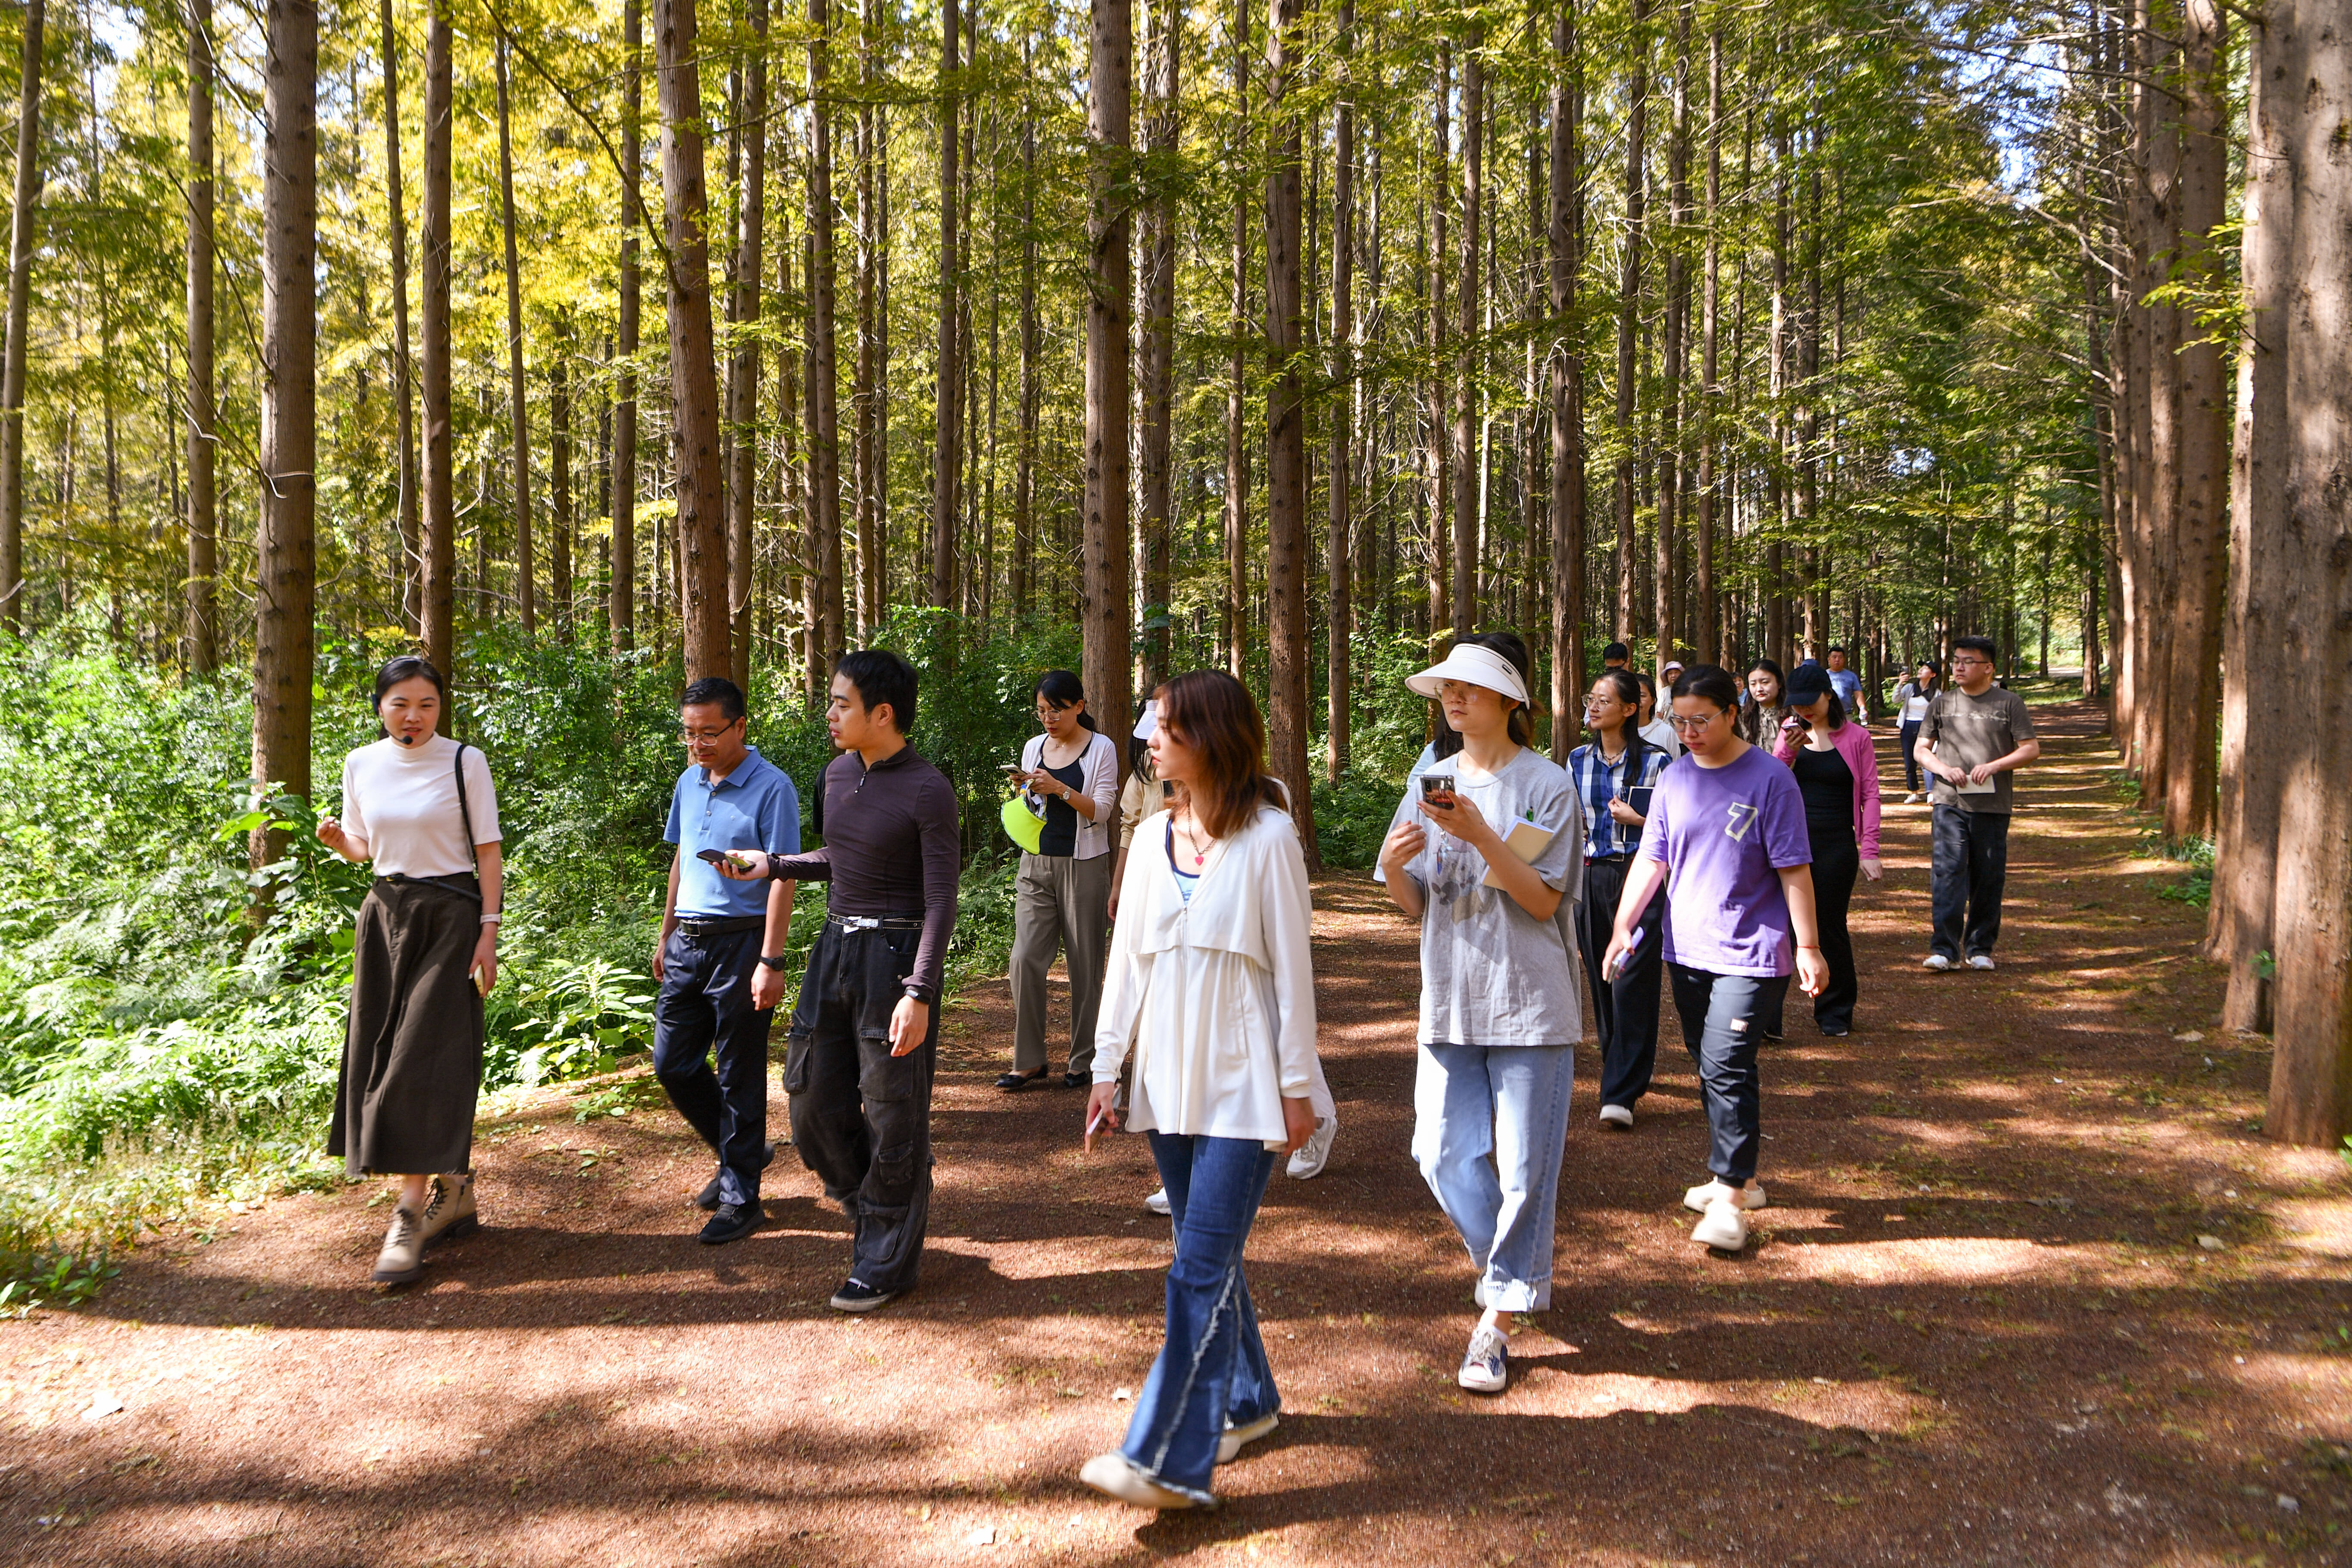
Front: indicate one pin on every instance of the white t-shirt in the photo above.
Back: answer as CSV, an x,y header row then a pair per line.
x,y
404,802
1661,735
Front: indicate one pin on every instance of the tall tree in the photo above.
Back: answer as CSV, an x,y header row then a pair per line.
x,y
517,399
1710,610
561,523
743,363
1238,481
1110,64
287,571
1629,306
20,290
1339,541
1156,449
404,368
1024,458
204,558
436,617
1566,108
1288,651
693,373
866,395
823,410
622,606
947,452
1467,467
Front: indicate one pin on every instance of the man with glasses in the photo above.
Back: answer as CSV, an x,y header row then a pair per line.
x,y
1975,735
720,958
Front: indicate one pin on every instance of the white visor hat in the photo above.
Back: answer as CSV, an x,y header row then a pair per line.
x,y
1473,665
1148,721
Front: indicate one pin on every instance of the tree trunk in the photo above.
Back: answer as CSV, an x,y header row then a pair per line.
x,y
437,618
1709,648
1288,652
693,374
1339,609
1236,383
1439,431
825,409
518,404
1566,259
286,571
1670,390
865,394
622,606
947,451
1111,157
1628,302
12,358
1467,467
559,485
1159,339
1024,461
743,363
204,562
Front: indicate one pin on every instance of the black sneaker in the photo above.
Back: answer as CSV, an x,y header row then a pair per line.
x,y
856,1296
729,1222
707,1198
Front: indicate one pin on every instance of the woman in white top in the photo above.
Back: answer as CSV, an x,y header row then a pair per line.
x,y
1911,700
1211,985
1494,891
1651,724
422,808
1062,892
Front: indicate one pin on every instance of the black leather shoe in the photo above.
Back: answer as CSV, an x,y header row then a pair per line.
x,y
729,1222
707,1198
1076,1080
857,1297
1014,1082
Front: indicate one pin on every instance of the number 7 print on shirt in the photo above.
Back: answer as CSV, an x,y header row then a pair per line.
x,y
1741,816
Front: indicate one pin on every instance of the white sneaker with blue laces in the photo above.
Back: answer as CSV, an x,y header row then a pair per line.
x,y
1487,1369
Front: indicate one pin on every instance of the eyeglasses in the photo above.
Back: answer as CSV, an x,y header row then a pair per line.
x,y
707,737
1691,724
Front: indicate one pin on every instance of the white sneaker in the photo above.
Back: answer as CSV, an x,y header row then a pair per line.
x,y
1911,799
1751,1197
1116,1475
1936,962
1158,1203
1721,1226
1616,1116
1487,1369
1307,1163
1980,961
1229,1447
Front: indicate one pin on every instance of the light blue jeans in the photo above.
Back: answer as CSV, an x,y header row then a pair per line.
x,y
1489,1124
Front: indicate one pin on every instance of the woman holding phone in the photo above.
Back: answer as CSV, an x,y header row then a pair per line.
x,y
1062,891
1727,839
1211,985
426,953
1494,890
1836,770
1615,775
1767,707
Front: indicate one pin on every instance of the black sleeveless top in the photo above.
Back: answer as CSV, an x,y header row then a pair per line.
x,y
1060,835
1827,785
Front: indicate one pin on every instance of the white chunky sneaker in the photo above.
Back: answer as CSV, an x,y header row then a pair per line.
x,y
1307,1163
1936,962
1158,1203
1980,961
1616,1116
1229,1447
1486,1367
1751,1197
1722,1227
1115,1474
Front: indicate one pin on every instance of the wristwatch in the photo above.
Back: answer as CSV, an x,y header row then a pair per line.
x,y
919,993
773,960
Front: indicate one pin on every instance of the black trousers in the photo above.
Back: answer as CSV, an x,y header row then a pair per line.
x,y
710,1050
1970,866
1910,759
1721,1017
1837,861
862,1117
1625,1010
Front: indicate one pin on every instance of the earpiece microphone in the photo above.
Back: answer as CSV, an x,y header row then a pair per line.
x,y
406,739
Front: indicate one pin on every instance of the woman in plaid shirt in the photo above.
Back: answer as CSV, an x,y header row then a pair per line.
x,y
1606,772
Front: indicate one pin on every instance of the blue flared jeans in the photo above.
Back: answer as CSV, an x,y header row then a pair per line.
x,y
1212,1371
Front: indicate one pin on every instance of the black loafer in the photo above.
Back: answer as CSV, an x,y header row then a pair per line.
x,y
729,1222
707,1198
1076,1080
1014,1082
855,1295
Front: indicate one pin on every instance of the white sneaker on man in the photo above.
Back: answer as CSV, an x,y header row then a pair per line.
x,y
1936,962
1616,1116
1980,961
1911,799
1307,1163
1158,1203
1722,1227
1751,1196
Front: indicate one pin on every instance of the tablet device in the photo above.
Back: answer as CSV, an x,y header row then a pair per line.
x,y
1639,799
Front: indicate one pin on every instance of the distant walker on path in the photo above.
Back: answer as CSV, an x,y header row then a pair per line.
x,y
1973,737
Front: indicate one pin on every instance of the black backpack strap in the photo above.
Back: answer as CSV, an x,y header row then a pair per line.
x,y
465,815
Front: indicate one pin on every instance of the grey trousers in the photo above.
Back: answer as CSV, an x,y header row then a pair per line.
x,y
1059,905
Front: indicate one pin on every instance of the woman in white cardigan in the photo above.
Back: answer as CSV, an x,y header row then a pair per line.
x,y
1210,982
1062,893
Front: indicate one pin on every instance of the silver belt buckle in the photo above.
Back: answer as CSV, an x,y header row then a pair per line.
x,y
859,923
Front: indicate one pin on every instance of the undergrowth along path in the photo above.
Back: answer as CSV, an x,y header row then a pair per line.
x,y
2032,1289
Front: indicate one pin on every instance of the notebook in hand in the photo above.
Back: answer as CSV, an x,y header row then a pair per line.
x,y
1526,840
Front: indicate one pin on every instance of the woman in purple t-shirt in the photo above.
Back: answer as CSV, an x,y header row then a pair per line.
x,y
1727,836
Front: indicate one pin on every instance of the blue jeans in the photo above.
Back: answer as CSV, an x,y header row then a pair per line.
x,y
1723,1020
1212,1371
1488,1127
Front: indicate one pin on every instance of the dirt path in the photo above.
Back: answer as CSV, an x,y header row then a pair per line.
x,y
1980,1325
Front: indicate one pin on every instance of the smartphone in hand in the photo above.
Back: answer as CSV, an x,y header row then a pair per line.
x,y
1437,789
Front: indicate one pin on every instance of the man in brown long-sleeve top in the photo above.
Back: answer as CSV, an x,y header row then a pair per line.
x,y
864,1037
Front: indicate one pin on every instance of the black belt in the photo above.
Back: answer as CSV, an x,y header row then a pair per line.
x,y
705,925
456,882
875,922
1608,860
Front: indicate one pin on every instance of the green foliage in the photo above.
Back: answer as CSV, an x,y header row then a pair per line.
x,y
1352,816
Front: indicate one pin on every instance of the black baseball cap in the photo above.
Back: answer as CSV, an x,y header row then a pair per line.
x,y
1809,683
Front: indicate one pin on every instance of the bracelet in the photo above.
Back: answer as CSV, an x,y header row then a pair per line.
x,y
1808,947
493,918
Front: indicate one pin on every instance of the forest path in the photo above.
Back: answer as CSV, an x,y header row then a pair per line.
x,y
1977,1326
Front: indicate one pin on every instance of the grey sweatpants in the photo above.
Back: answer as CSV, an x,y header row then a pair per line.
x,y
1059,905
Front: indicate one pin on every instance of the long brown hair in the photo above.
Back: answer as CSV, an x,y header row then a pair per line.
x,y
1215,715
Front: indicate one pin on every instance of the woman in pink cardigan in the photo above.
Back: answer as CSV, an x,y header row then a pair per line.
x,y
1837,772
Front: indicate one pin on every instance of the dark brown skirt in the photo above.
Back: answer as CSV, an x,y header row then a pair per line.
x,y
412,1054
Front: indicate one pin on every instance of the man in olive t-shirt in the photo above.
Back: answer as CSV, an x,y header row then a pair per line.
x,y
1974,735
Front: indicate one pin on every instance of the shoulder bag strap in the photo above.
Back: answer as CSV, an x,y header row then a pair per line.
x,y
465,817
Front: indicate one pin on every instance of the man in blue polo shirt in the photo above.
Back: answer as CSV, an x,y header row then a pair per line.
x,y
1847,685
720,957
